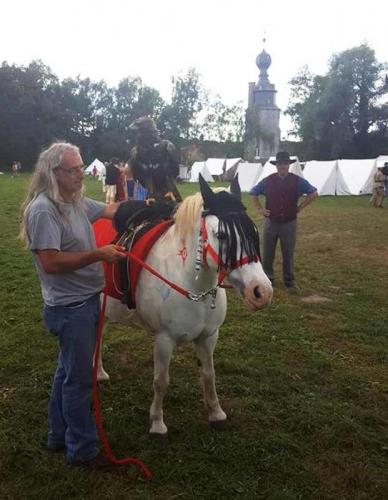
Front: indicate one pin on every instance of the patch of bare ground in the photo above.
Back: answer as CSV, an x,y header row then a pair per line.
x,y
318,235
315,299
377,254
351,475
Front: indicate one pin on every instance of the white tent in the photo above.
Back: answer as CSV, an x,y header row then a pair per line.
x,y
269,169
325,176
183,172
380,160
358,175
248,175
101,170
220,166
200,167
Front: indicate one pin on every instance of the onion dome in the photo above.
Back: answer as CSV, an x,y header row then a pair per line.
x,y
263,61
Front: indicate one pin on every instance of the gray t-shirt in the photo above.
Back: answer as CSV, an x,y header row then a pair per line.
x,y
48,229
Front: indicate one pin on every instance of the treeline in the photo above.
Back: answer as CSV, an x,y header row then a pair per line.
x,y
36,107
344,113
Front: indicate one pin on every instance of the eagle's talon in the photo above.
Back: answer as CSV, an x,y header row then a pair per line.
x,y
170,196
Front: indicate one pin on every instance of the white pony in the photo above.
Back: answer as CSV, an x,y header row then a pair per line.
x,y
191,254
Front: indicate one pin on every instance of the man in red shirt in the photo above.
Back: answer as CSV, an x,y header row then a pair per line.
x,y
282,191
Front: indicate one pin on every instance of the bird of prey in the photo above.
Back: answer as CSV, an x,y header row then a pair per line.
x,y
154,161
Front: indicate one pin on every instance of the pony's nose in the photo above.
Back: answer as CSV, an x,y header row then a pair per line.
x,y
256,292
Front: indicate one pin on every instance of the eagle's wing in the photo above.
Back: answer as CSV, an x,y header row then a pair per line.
x,y
139,169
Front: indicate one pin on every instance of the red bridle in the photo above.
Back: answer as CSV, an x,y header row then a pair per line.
x,y
207,248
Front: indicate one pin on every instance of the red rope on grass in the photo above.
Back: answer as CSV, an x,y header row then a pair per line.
x,y
97,407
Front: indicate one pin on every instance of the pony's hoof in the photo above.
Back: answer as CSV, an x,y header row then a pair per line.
x,y
219,425
102,376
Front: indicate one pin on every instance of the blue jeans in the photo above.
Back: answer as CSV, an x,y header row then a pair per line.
x,y
71,422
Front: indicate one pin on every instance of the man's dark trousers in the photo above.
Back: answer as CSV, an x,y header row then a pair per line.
x,y
286,233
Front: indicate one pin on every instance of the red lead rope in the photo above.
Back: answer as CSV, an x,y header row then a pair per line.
x,y
97,407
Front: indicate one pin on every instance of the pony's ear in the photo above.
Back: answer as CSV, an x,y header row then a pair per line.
x,y
206,191
235,187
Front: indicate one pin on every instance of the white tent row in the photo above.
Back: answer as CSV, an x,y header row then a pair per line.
x,y
341,177
215,167
200,167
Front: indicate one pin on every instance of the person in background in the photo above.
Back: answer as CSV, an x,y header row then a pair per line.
x,y
111,180
282,191
14,169
121,194
56,226
140,193
378,189
130,181
385,172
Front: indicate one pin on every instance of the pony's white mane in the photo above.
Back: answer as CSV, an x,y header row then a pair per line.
x,y
188,214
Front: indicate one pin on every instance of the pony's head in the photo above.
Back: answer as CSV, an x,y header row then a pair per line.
x,y
229,240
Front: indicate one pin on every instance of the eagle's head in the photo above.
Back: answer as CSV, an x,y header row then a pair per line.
x,y
145,127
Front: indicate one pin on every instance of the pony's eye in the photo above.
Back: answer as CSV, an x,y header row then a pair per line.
x,y
221,236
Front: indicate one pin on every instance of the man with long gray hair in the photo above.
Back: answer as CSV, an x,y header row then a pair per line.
x,y
56,225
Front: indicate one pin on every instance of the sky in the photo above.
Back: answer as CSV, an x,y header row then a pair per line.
x,y
113,39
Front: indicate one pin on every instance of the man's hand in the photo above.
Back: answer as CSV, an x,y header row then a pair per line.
x,y
264,211
260,209
307,200
112,253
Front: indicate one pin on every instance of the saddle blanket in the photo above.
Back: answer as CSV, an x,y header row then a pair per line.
x,y
105,234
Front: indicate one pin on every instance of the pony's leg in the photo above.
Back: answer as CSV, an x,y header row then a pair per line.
x,y
163,348
205,348
102,375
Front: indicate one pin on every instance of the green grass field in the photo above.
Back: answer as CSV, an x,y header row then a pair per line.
x,y
304,383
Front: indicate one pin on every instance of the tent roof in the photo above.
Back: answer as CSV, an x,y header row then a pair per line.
x,y
380,160
99,165
248,175
322,175
215,165
199,167
358,175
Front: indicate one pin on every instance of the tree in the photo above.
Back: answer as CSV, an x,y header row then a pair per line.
x,y
37,108
130,100
221,122
178,119
341,113
27,110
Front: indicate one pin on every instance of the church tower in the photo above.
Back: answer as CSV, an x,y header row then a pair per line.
x,y
262,132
